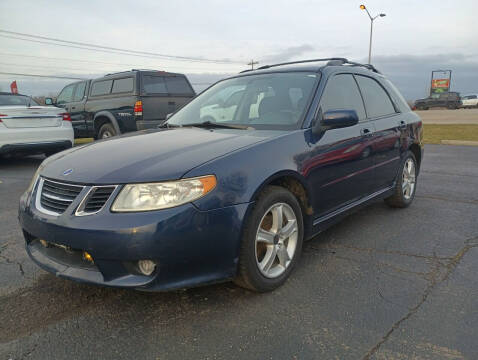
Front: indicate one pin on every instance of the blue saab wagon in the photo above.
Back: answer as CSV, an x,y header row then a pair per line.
x,y
231,185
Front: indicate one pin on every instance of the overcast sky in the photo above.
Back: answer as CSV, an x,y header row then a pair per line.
x,y
414,38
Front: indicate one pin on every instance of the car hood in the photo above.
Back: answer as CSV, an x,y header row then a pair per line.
x,y
148,156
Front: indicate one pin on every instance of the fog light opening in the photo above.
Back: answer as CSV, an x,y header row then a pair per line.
x,y
87,256
44,243
146,267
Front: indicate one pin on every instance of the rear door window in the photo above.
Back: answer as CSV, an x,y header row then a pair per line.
x,y
166,85
101,87
377,101
66,95
342,93
123,85
80,91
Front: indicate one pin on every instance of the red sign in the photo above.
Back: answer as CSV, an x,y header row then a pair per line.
x,y
440,83
13,87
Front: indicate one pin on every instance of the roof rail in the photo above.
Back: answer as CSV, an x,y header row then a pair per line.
x,y
337,61
146,70
126,71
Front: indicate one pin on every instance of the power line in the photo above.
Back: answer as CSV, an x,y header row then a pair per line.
x,y
42,66
97,62
67,77
88,46
42,76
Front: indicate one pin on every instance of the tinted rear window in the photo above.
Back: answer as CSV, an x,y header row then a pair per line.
x,y
377,101
16,100
122,85
101,87
342,93
166,85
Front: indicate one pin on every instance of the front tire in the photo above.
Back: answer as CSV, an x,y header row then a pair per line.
x,y
406,183
272,240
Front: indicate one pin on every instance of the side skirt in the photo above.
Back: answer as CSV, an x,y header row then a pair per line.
x,y
322,223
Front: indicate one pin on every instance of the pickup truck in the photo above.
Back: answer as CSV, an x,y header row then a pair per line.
x,y
123,102
450,100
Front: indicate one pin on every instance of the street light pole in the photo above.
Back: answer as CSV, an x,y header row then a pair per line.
x,y
372,18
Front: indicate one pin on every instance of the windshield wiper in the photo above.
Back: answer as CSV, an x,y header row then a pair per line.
x,y
167,125
210,125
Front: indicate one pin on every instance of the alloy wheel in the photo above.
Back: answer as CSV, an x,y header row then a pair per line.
x,y
106,135
276,240
408,179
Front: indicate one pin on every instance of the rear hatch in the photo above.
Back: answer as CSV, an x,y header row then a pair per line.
x,y
164,93
30,117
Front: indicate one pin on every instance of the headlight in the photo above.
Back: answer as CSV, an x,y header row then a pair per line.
x,y
35,177
163,195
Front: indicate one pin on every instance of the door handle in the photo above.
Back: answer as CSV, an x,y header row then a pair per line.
x,y
365,131
171,103
402,125
73,107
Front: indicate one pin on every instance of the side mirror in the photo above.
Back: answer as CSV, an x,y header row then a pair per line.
x,y
48,101
169,115
335,119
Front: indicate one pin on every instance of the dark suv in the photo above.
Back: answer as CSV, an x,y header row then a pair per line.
x,y
225,194
450,100
122,102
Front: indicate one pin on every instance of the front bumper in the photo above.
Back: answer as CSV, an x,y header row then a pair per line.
x,y
191,247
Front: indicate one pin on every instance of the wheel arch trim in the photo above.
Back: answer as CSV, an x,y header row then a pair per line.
x,y
275,179
110,117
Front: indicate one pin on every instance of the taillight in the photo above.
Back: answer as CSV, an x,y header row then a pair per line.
x,y
1,116
138,108
66,116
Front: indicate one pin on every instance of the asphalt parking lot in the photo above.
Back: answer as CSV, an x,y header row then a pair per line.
x,y
382,284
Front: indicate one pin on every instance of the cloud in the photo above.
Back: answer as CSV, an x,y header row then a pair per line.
x,y
287,53
412,73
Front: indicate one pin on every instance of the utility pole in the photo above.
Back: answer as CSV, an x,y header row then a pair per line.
x,y
252,63
363,7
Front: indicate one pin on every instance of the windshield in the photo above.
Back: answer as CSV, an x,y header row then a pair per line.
x,y
16,100
266,101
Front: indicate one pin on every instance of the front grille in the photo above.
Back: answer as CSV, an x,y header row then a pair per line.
x,y
96,199
56,196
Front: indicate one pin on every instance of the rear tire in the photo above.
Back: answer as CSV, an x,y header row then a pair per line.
x,y
272,240
106,131
406,184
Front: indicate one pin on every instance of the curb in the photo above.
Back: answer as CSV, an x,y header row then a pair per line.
x,y
460,142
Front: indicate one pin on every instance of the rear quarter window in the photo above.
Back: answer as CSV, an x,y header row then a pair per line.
x,y
123,85
396,96
101,87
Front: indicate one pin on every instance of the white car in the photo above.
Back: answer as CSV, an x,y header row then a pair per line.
x,y
28,128
469,101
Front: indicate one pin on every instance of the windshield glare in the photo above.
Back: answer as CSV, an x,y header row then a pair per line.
x,y
16,100
266,101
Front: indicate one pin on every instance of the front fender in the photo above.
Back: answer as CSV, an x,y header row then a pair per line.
x,y
243,173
